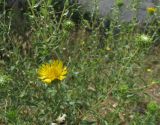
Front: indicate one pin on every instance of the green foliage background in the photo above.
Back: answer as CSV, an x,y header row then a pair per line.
x,y
108,80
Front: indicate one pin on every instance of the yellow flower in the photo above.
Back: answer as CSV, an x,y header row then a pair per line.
x,y
151,10
149,70
108,48
49,72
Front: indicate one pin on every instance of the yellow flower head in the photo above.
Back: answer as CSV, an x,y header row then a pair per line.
x,y
49,72
151,10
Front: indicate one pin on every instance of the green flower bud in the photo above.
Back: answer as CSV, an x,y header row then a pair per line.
x,y
68,25
152,106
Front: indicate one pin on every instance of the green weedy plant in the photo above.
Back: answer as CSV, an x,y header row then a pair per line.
x,y
104,85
